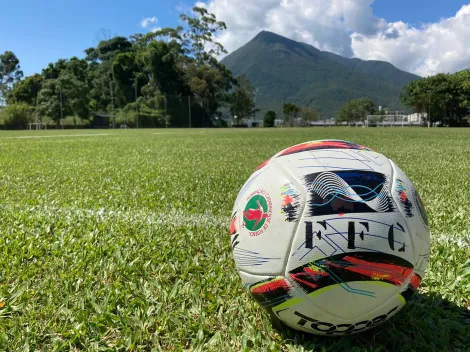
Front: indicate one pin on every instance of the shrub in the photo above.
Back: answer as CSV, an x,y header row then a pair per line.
x,y
269,118
16,116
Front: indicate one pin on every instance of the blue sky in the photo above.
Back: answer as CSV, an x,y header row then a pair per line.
x,y
39,32
416,11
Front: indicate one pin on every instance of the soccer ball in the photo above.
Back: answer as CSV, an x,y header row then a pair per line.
x,y
330,237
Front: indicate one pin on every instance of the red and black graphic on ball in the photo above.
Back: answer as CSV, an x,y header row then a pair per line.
x,y
352,191
405,201
290,202
325,144
357,266
233,225
271,292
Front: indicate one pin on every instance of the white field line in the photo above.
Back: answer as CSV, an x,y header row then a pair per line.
x,y
170,218
450,240
173,133
59,135
164,134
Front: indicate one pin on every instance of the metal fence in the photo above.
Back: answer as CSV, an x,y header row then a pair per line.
x,y
165,111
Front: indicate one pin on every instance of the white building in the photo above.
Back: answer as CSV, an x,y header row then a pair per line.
x,y
417,117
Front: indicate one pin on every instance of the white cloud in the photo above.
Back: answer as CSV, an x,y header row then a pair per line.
x,y
146,22
324,24
430,49
349,28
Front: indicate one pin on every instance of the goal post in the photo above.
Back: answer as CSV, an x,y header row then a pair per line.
x,y
37,126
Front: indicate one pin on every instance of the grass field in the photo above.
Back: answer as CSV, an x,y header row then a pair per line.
x,y
119,241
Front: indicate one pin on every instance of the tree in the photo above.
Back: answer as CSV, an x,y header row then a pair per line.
x,y
49,100
242,101
107,49
209,85
128,76
351,112
26,91
199,37
78,68
167,34
105,92
163,67
442,97
309,114
10,72
208,79
269,119
53,70
356,110
290,112
64,96
367,105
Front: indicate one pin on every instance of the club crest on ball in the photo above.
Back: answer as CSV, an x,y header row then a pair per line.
x,y
258,212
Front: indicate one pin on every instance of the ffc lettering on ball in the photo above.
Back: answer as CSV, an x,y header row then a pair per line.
x,y
330,236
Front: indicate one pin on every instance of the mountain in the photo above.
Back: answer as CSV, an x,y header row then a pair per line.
x,y
284,70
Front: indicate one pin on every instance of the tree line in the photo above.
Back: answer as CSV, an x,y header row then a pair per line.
x,y
160,78
443,99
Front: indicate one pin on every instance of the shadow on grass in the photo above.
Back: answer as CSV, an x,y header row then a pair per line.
x,y
427,323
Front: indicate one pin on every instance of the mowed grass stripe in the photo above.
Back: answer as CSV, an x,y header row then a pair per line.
x,y
59,136
171,218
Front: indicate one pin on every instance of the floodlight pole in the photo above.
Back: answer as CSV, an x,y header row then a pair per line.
x,y
254,112
136,112
189,107
166,113
112,102
61,108
429,109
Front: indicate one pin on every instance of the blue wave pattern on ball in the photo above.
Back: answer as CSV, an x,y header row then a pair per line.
x,y
359,191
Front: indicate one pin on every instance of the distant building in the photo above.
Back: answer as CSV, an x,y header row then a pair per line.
x,y
245,122
391,114
298,122
417,117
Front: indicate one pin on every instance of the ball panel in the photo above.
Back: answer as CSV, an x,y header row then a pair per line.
x,y
325,318
346,210
321,144
410,205
324,236
406,195
264,220
305,162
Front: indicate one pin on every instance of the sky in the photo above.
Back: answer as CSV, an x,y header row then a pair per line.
x,y
419,36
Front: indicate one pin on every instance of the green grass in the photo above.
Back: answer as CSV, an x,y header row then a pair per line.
x,y
120,241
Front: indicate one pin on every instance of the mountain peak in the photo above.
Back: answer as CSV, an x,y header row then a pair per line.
x,y
271,38
286,70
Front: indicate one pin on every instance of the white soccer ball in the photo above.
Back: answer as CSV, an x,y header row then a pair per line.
x,y
330,237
